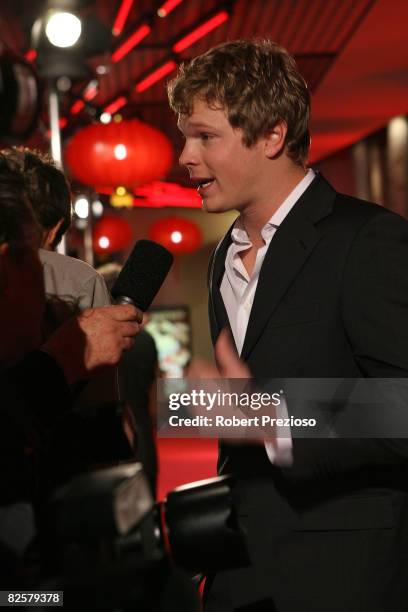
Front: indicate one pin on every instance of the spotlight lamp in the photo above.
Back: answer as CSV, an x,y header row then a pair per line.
x,y
64,39
63,29
57,28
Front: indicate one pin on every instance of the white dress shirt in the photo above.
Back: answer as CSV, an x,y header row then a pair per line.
x,y
238,292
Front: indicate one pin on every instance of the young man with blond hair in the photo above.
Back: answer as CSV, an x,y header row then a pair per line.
x,y
312,284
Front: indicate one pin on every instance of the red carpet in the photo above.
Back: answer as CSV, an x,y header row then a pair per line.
x,y
184,460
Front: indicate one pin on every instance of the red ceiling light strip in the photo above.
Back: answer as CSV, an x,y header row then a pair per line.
x,y
178,47
115,105
90,92
167,7
121,16
155,76
131,42
77,107
31,55
201,31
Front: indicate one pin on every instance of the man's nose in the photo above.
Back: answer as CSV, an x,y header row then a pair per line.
x,y
188,156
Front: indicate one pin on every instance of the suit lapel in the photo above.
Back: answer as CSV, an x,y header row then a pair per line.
x,y
218,314
289,249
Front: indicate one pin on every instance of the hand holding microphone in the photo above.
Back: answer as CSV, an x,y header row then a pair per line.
x,y
93,340
98,336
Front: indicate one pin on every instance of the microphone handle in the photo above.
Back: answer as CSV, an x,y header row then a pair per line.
x,y
122,300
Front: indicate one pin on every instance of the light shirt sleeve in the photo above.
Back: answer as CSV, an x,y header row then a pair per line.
x,y
279,449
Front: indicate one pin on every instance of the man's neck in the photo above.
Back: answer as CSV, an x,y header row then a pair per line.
x,y
255,217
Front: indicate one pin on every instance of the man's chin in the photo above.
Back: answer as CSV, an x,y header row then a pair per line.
x,y
212,206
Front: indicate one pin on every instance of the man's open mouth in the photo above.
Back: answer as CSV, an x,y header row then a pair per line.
x,y
202,183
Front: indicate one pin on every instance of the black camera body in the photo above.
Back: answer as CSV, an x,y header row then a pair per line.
x,y
115,548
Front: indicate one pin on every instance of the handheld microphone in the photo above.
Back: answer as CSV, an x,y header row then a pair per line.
x,y
142,275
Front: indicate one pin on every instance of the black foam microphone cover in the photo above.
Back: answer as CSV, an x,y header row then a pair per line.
x,y
143,274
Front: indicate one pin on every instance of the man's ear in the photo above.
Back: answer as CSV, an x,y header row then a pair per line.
x,y
50,235
275,140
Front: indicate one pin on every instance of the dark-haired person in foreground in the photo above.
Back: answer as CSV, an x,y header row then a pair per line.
x,y
49,192
35,396
35,377
312,284
71,285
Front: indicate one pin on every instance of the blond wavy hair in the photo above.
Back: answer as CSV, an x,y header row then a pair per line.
x,y
256,83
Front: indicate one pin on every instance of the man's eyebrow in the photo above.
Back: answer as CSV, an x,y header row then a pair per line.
x,y
198,125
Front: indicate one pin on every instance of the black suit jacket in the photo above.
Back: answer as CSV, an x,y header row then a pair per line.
x,y
331,531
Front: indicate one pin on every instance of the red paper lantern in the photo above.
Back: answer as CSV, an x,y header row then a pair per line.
x,y
129,153
177,234
111,234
